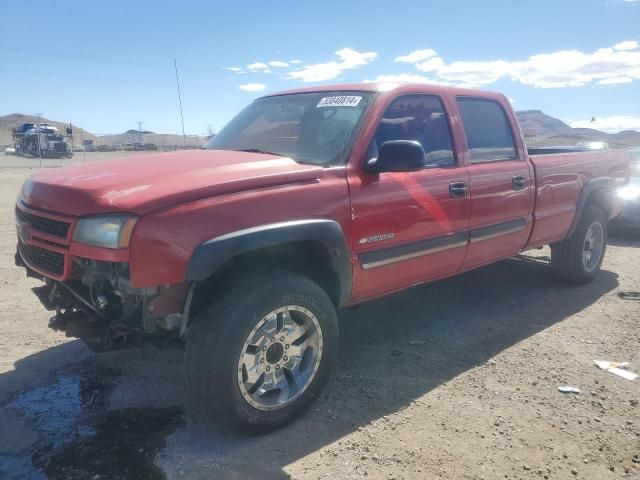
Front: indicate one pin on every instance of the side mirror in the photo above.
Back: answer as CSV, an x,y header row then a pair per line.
x,y
398,156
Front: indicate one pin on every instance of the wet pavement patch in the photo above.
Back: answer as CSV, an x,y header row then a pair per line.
x,y
79,438
123,447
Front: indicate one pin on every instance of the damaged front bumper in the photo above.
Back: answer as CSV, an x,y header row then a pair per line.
x,y
98,305
89,288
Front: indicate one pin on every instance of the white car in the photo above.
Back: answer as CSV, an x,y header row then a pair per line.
x,y
10,151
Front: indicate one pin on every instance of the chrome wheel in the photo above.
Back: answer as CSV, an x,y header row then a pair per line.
x,y
280,358
593,246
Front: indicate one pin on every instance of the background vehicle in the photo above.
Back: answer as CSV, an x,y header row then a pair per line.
x,y
42,140
630,216
10,151
306,202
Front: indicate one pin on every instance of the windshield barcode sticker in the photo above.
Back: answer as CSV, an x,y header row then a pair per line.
x,y
343,101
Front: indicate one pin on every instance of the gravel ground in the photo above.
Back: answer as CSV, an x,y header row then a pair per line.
x,y
456,380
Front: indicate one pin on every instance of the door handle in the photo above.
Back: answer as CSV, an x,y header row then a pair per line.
x,y
518,182
457,189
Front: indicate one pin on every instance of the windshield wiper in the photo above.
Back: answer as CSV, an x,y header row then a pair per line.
x,y
257,150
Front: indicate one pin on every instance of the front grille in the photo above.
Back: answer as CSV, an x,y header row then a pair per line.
x,y
60,147
52,262
49,226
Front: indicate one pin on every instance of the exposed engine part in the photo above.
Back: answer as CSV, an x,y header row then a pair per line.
x,y
100,306
102,302
170,322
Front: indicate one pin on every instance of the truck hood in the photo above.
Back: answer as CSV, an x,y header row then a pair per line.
x,y
144,183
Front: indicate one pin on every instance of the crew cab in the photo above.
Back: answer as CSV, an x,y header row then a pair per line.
x,y
306,202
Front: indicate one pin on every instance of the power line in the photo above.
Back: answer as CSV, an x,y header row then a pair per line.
x,y
107,79
115,62
180,100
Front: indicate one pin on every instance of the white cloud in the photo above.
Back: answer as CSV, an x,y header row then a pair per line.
x,y
473,73
615,81
626,45
430,65
258,66
295,61
566,68
416,56
401,78
252,87
611,124
235,69
278,64
349,59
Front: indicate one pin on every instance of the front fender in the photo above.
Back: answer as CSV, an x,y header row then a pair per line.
x,y
208,257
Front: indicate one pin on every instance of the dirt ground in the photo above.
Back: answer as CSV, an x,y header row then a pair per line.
x,y
453,380
15,161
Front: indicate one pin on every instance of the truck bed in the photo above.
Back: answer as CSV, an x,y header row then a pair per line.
x,y
560,178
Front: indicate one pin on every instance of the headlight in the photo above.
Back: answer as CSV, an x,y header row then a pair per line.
x,y
108,231
630,192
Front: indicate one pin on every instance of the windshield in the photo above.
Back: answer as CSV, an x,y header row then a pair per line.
x,y
308,127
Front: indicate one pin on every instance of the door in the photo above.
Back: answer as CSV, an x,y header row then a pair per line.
x,y
409,227
500,183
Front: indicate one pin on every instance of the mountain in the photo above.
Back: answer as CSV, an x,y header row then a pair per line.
x,y
536,123
541,129
132,131
8,122
160,139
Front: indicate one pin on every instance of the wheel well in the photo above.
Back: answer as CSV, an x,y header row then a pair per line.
x,y
309,258
602,199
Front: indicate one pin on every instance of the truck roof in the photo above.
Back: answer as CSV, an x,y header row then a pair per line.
x,y
395,87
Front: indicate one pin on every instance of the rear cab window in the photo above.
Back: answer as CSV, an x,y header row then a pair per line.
x,y
488,131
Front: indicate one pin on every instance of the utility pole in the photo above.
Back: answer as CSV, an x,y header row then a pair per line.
x,y
184,136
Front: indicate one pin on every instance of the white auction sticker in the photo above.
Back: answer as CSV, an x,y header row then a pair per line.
x,y
342,101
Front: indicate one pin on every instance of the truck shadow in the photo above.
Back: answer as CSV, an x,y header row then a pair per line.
x,y
393,351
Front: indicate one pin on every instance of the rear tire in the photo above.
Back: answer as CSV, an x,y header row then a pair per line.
x,y
260,354
578,259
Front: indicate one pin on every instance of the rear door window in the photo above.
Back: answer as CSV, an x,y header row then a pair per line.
x,y
488,131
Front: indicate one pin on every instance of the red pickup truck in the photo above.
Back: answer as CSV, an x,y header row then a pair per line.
x,y
307,201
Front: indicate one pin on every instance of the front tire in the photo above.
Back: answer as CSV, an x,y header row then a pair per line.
x,y
259,355
578,259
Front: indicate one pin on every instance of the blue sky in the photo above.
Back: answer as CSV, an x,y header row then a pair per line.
x,y
106,65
